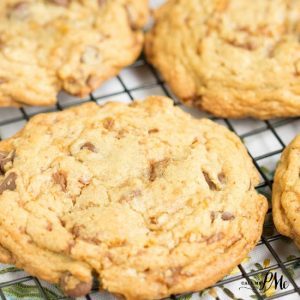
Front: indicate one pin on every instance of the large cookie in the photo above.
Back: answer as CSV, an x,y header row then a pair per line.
x,y
286,192
144,197
49,45
233,58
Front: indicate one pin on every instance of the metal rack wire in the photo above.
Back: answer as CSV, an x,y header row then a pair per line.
x,y
271,126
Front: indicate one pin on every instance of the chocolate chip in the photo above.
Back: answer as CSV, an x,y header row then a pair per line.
x,y
108,123
81,288
153,220
89,146
157,168
90,55
5,157
9,183
20,10
60,178
62,222
153,130
227,216
64,3
76,230
210,183
195,100
222,178
96,282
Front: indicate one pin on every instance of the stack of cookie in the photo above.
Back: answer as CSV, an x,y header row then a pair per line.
x,y
143,197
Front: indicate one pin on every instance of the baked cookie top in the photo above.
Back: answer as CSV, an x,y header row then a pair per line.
x,y
286,189
233,58
49,45
146,198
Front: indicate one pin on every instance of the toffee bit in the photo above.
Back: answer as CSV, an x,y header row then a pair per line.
x,y
227,216
211,184
60,178
9,183
89,146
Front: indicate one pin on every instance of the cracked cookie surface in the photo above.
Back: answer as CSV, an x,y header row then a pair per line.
x,y
146,198
232,58
286,192
74,45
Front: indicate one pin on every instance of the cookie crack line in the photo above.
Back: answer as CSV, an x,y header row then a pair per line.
x,y
136,195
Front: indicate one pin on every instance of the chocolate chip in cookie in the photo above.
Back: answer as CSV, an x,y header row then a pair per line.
x,y
88,145
209,181
9,183
5,158
61,179
78,289
227,216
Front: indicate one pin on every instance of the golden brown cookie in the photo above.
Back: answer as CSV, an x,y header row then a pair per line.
x,y
286,191
232,58
49,45
146,198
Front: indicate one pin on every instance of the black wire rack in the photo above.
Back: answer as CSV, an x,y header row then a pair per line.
x,y
153,84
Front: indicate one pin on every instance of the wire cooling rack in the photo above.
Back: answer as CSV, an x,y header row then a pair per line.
x,y
265,140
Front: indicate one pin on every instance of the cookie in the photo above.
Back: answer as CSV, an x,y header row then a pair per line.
x,y
74,45
145,198
286,200
232,58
